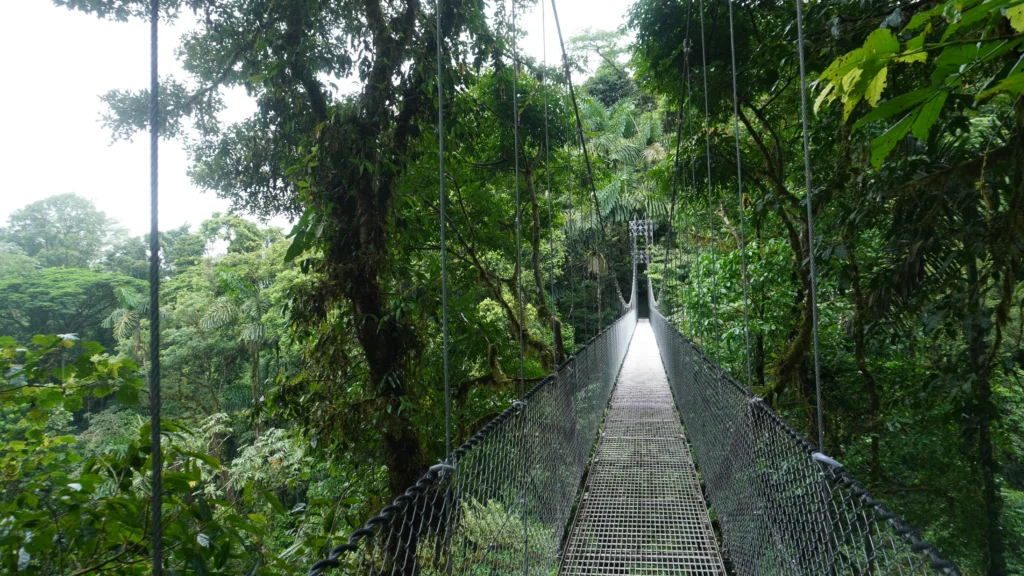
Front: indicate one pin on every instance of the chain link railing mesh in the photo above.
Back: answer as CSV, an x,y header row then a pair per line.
x,y
500,502
782,507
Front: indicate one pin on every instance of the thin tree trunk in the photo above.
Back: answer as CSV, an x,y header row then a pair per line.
x,y
860,353
993,548
543,310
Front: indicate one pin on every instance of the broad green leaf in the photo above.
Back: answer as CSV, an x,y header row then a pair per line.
x,y
922,18
895,106
951,59
1012,84
928,115
73,403
298,246
972,16
271,499
841,66
851,79
27,500
881,42
915,50
876,86
205,458
1016,16
127,395
849,103
883,145
825,92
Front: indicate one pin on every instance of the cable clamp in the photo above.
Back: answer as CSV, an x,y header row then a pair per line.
x,y
819,457
520,404
442,467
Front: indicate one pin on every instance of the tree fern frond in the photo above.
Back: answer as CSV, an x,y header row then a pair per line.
x,y
222,313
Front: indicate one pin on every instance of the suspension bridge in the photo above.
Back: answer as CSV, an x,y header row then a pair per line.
x,y
638,455
617,463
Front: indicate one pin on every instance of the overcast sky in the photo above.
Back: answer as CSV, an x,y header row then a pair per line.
x,y
58,63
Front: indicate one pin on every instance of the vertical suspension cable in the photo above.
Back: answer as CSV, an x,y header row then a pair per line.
x,y
810,221
154,291
576,108
675,193
519,241
444,253
571,233
519,273
711,214
681,169
547,173
739,181
695,262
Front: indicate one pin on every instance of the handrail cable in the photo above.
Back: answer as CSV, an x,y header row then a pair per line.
x,y
810,222
156,486
739,183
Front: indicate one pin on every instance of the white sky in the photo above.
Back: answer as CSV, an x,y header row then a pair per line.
x,y
57,64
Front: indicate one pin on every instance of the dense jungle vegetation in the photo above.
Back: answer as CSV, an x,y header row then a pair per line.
x,y
302,374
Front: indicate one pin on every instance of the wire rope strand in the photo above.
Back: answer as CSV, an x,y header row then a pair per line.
x,y
675,193
547,173
685,248
154,290
576,109
519,241
695,262
571,234
519,280
810,222
711,215
444,253
739,181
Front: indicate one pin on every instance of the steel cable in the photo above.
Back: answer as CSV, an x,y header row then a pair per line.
x,y
783,507
444,225
154,290
547,174
519,241
739,180
711,215
810,222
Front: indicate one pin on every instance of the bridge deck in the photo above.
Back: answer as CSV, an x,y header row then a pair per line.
x,y
642,510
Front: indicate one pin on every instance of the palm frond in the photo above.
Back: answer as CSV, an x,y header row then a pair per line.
x,y
222,313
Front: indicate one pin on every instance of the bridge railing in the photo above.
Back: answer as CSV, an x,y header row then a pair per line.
x,y
500,502
782,506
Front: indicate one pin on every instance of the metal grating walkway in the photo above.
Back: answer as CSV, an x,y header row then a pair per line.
x,y
642,511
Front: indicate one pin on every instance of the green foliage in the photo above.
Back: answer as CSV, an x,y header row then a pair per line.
x,y
60,300
14,263
973,48
60,231
918,204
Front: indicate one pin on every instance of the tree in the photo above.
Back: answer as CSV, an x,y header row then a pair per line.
x,y
64,231
244,304
59,301
65,514
14,262
336,161
611,81
917,208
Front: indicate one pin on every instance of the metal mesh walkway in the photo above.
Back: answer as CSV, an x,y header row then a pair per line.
x,y
642,510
